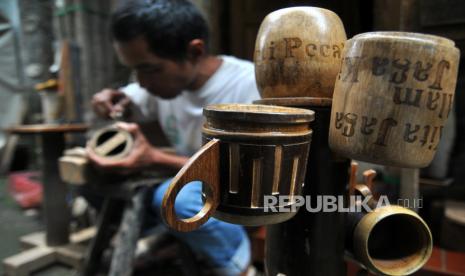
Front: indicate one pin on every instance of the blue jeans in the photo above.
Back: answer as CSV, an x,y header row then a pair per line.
x,y
225,245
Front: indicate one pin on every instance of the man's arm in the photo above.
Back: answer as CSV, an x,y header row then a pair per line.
x,y
169,159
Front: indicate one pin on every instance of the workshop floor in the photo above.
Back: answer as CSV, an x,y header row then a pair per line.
x,y
14,223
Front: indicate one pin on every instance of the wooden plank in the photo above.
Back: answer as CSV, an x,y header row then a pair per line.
x,y
32,240
38,238
110,215
28,261
71,254
84,235
47,128
66,81
74,170
122,262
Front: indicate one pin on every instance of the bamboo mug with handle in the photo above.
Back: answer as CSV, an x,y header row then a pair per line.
x,y
251,155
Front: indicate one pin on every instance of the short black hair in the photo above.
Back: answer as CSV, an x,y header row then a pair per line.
x,y
167,25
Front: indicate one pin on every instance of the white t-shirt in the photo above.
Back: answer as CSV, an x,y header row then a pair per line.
x,y
181,118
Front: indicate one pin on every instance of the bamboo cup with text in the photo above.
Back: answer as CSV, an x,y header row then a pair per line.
x,y
392,97
250,152
298,53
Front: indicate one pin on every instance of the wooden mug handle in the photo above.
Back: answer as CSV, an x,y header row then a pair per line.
x,y
203,166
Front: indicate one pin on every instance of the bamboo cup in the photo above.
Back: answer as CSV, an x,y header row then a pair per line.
x,y
298,53
392,97
111,142
250,152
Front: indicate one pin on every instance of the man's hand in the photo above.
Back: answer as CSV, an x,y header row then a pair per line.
x,y
110,103
143,154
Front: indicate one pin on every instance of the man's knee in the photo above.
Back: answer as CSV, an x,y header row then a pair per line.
x,y
188,202
158,194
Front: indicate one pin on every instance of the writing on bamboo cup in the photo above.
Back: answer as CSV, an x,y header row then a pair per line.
x,y
392,97
250,151
298,53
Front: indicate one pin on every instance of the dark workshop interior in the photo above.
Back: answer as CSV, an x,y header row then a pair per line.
x,y
232,137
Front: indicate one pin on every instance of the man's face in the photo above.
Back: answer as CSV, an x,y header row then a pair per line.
x,y
160,76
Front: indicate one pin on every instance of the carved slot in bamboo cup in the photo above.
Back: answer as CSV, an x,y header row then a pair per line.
x,y
392,97
111,142
250,152
298,53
